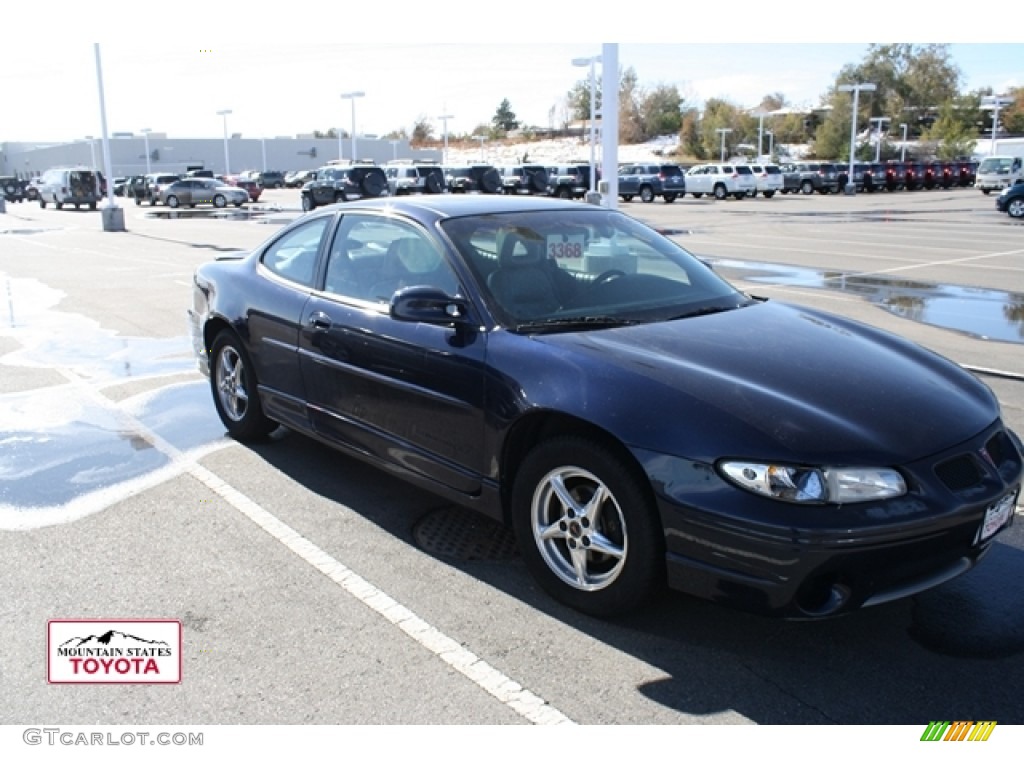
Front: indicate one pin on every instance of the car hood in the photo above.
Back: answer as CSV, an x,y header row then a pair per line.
x,y
772,381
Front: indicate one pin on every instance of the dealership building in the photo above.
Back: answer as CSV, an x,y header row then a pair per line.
x,y
137,153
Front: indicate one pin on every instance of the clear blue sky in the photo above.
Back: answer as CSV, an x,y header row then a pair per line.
x,y
281,68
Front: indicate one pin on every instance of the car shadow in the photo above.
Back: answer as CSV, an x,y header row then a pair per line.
x,y
951,653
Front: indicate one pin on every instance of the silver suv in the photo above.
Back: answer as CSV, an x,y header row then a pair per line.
x,y
415,178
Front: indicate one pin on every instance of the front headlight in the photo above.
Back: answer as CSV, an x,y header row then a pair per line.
x,y
815,485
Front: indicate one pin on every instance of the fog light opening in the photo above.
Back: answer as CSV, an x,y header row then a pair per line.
x,y
823,597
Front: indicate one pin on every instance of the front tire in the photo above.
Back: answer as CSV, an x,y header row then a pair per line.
x,y
587,527
807,187
1016,208
235,392
307,203
219,201
646,195
172,201
720,192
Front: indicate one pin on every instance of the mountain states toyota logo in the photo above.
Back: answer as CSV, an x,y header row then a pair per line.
x,y
113,651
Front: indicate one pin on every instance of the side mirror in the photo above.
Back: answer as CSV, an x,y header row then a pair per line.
x,y
423,304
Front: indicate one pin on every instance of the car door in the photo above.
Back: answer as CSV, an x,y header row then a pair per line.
x,y
288,268
405,393
629,182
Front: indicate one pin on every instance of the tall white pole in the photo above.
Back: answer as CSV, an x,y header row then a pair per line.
x,y
113,216
903,146
263,143
227,157
444,130
145,135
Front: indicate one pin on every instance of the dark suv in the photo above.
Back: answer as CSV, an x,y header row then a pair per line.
x,y
270,179
408,178
12,188
569,181
812,177
524,179
650,181
474,178
339,183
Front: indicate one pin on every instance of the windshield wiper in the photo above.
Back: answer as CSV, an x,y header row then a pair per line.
x,y
703,311
582,321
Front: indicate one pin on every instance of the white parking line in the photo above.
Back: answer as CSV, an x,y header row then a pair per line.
x,y
451,652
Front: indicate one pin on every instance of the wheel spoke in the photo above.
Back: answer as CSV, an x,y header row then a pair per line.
x,y
568,502
579,566
601,543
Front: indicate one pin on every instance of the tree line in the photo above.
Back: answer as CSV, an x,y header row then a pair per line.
x,y
917,91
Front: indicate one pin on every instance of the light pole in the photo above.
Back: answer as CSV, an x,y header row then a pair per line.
x,y
995,102
856,88
760,133
352,97
394,149
878,131
903,146
771,144
444,131
145,135
92,149
263,146
590,61
481,139
227,158
723,131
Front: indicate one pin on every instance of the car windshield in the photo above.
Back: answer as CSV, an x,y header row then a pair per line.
x,y
545,271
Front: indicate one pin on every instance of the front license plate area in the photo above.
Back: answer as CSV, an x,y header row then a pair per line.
x,y
997,516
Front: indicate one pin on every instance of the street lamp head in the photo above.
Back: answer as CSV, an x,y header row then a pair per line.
x,y
353,95
857,87
224,112
586,61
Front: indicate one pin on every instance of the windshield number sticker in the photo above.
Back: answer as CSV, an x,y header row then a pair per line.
x,y
565,247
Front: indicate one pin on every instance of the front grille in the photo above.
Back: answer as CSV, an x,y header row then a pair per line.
x,y
959,473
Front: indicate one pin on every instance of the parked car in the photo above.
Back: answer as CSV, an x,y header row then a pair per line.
x,y
407,178
152,186
13,188
270,179
937,174
720,180
1011,201
295,179
75,186
524,179
473,178
820,177
200,191
338,183
966,172
570,181
250,185
651,180
564,368
768,179
792,178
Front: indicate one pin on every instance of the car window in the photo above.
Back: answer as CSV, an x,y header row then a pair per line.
x,y
371,257
293,257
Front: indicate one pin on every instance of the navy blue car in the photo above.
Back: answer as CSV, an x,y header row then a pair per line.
x,y
633,417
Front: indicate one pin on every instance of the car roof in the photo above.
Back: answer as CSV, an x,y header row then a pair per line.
x,y
450,206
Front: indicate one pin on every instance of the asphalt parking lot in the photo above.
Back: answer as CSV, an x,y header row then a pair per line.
x,y
313,590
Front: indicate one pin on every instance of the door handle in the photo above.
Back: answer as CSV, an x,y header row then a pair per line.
x,y
319,321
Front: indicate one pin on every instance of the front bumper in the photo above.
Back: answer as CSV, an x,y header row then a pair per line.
x,y
764,556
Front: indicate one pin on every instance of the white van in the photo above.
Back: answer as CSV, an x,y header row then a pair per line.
x,y
74,186
998,172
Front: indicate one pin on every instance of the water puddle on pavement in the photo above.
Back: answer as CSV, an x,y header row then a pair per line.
x,y
983,313
67,450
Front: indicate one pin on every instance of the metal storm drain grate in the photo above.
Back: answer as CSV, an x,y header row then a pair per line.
x,y
464,535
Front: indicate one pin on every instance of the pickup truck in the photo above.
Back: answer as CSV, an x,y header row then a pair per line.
x,y
666,181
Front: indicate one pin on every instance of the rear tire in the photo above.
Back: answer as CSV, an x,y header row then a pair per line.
x,y
172,201
646,194
219,201
720,192
235,390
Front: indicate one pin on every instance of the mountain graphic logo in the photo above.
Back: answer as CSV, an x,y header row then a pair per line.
x,y
110,638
